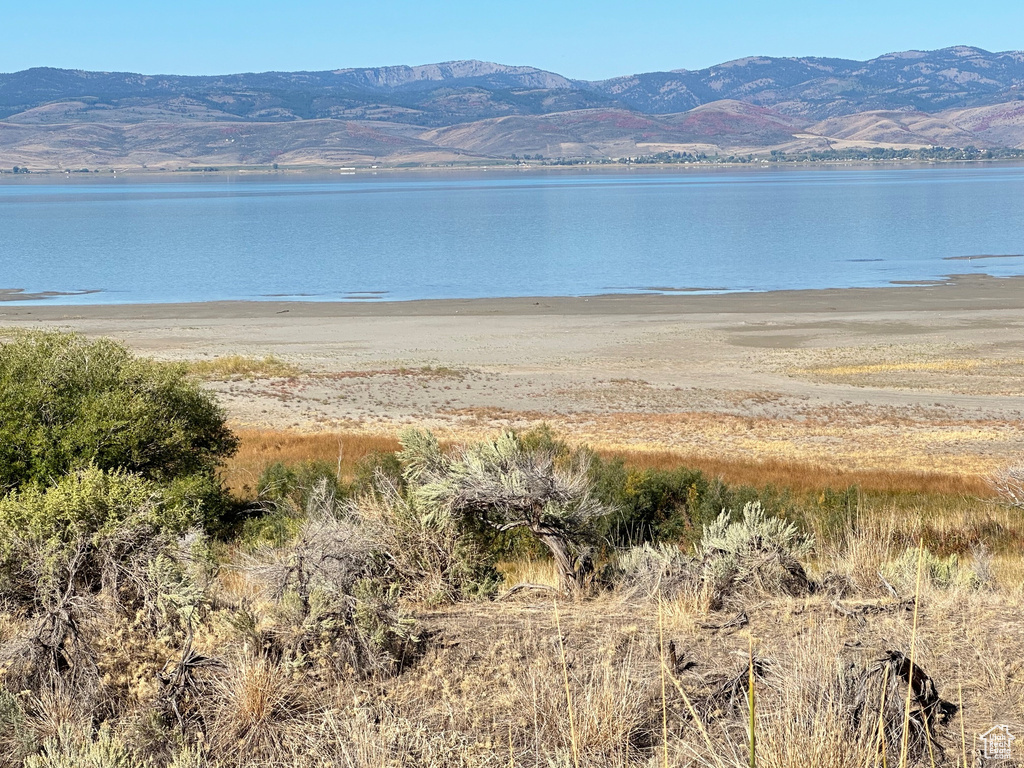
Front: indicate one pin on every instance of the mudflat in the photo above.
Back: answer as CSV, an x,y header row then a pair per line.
x,y
925,377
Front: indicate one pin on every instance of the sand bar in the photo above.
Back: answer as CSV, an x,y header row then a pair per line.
x,y
956,292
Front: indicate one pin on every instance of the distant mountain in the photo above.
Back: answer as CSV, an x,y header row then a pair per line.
x,y
472,109
435,94
925,81
480,74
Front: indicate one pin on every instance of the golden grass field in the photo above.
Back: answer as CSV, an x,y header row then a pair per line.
x,y
261,448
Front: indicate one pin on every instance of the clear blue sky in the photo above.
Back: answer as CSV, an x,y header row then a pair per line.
x,y
590,40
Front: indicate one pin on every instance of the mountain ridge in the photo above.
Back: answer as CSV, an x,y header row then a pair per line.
x,y
955,96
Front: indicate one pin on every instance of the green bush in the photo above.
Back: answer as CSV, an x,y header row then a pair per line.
x,y
90,503
15,739
936,571
67,402
757,553
93,545
284,495
281,483
656,505
375,466
88,525
71,749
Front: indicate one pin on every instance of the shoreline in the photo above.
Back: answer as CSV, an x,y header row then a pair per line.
x,y
494,165
961,292
924,378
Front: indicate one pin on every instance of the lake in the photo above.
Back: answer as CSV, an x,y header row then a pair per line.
x,y
484,234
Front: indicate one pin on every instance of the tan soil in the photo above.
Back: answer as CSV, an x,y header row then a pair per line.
x,y
909,377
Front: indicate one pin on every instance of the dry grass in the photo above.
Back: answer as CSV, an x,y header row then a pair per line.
x,y
807,719
421,371
493,687
914,369
1009,573
957,375
931,435
494,684
804,477
958,366
500,675
542,572
257,709
230,367
260,448
847,438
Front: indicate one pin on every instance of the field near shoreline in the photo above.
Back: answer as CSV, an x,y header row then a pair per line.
x,y
869,421
923,379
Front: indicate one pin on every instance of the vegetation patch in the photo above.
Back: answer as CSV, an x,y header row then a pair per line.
x,y
229,367
515,600
67,403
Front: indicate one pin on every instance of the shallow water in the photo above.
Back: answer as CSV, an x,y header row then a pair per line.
x,y
485,234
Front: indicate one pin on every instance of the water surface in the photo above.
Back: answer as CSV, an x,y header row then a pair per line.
x,y
482,235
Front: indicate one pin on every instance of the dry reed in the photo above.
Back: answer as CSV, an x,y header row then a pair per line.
x,y
260,448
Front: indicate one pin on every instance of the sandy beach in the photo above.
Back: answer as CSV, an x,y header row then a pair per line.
x,y
916,377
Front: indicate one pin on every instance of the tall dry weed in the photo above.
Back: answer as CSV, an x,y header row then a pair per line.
x,y
613,719
258,711
863,554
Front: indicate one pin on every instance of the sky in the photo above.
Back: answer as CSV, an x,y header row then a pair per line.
x,y
587,40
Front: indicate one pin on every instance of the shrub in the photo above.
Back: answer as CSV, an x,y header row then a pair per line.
x,y
939,572
1009,484
69,749
674,505
232,367
93,545
650,570
374,466
280,483
758,552
285,492
755,532
67,402
655,505
434,557
84,528
505,485
15,740
336,602
91,503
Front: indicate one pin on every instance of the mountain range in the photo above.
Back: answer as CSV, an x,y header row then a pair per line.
x,y
479,111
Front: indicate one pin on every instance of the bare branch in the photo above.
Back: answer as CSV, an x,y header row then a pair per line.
x,y
1009,484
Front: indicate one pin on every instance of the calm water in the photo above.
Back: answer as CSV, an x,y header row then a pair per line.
x,y
414,237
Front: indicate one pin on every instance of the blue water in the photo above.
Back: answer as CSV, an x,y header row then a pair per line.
x,y
413,237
